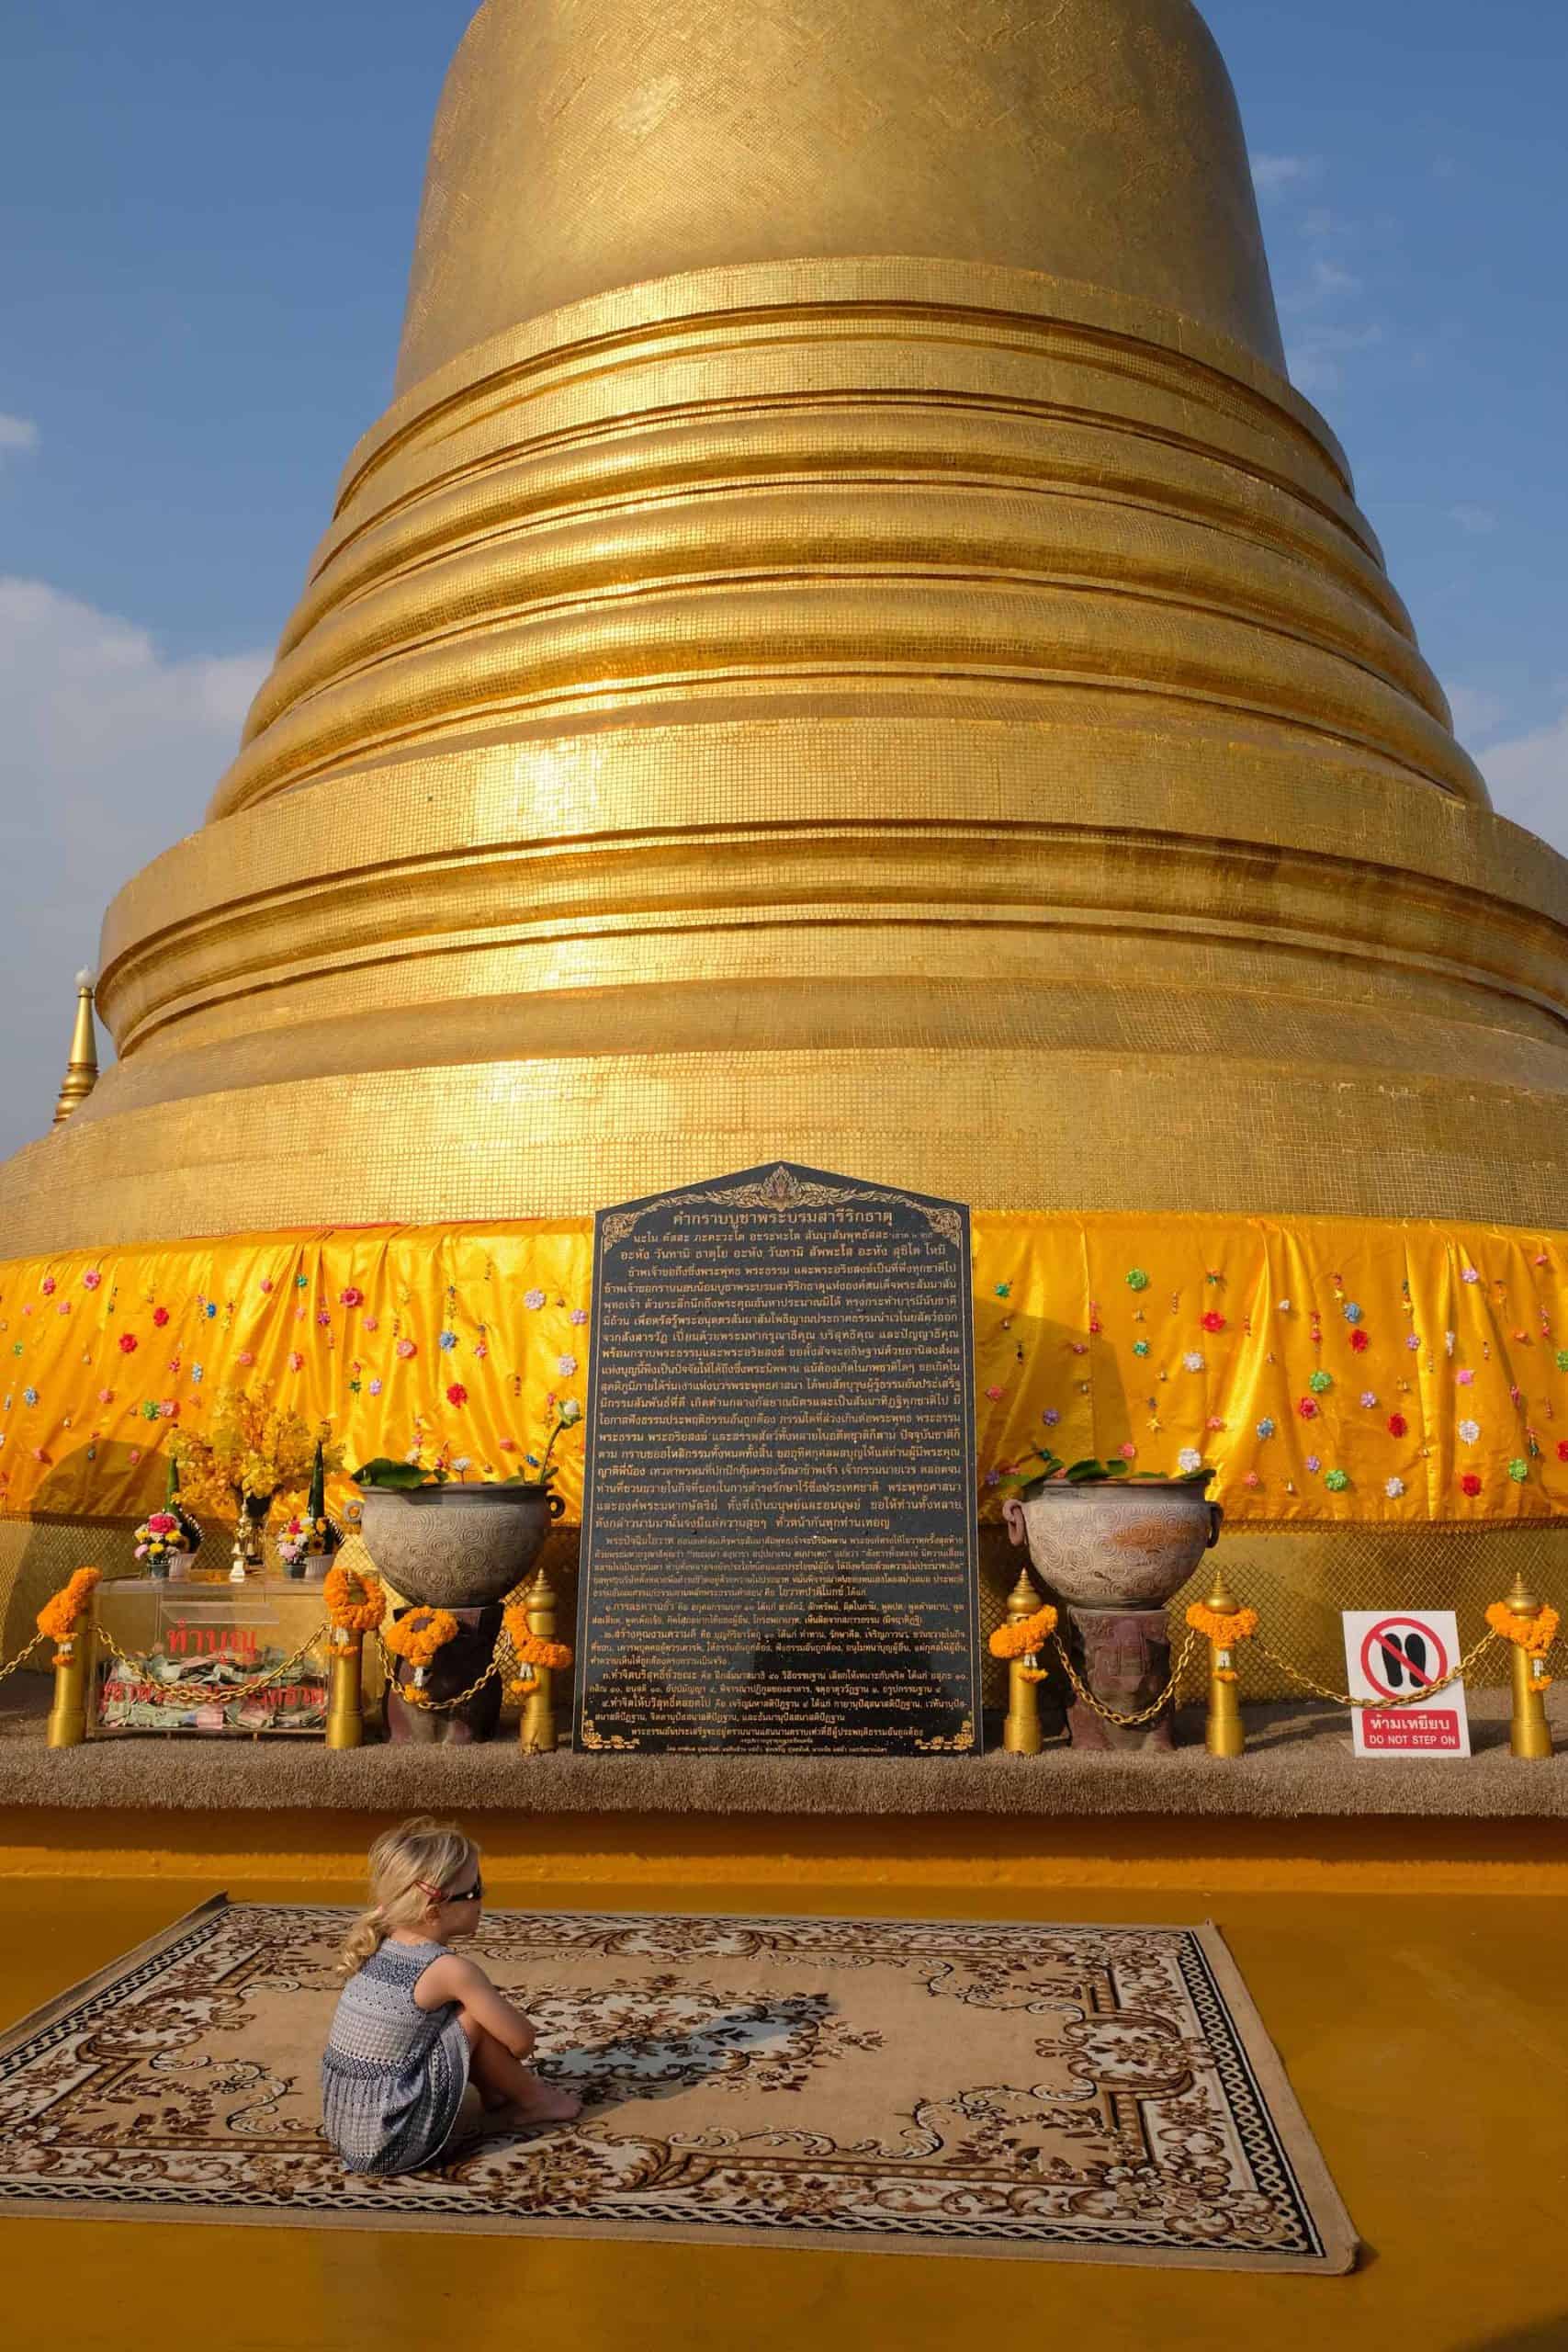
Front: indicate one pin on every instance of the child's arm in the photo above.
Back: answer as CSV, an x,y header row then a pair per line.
x,y
453,1979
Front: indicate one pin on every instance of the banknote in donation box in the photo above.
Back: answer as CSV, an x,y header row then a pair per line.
x,y
193,1678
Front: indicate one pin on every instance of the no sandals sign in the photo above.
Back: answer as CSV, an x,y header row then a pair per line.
x,y
1406,1656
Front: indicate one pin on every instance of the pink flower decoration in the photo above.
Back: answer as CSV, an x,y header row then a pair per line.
x,y
1307,1408
352,1297
48,1285
105,1396
372,1323
93,1280
295,1361
481,1349
169,1409
1128,1453
323,1318
1465,1379
509,1445
375,1388
245,1356
64,1307
579,1316
567,1366
1252,1479
266,1284
995,1395
406,1348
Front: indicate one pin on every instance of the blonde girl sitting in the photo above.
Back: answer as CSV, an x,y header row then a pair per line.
x,y
421,2044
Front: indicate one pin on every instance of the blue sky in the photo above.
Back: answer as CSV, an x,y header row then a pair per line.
x,y
205,217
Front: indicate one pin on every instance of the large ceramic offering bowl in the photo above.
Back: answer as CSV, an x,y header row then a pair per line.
x,y
1115,1543
457,1547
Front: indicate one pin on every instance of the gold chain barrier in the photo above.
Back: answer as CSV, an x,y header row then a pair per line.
x,y
16,1664
1144,1714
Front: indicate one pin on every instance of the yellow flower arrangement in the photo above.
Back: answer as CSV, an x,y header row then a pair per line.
x,y
1025,1639
252,1448
356,1605
1534,1636
1224,1630
59,1617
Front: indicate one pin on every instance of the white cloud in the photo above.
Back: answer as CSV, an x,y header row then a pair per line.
x,y
1476,713
1528,776
1477,522
1315,353
1275,175
108,753
18,436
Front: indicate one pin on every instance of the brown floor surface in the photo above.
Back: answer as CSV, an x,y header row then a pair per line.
x,y
1424,2035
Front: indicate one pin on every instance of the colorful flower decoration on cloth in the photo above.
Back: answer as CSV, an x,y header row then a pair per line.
x,y
1360,1342
61,1615
356,1603
295,1361
375,1388
48,1285
580,1314
161,1317
352,1297
405,1348
1563,1359
1025,1639
1321,1382
457,1394
1352,1312
533,1300
1315,1463
567,1366
1413,1342
1518,1471
1189,1461
1470,1432
1336,1481
1193,1360
994,1396
1562,1449
1307,1408
1469,1483
1050,1417
1369,1399
1137,1279
1397,1425
1393,1488
1266,1426
1284,1306
1003,1290
1129,1452
92,1279
448,1341
129,1343
1213,1321
1139,1347
1472,1274
30,1395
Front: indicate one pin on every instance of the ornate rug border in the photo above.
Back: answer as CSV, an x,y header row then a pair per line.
x,y
1326,2207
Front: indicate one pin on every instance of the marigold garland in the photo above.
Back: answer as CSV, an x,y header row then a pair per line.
x,y
356,1605
1534,1636
1025,1639
61,1615
419,1636
1224,1628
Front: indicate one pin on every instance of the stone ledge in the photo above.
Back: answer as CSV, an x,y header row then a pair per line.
x,y
1298,1766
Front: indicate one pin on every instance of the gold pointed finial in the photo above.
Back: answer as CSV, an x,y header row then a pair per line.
x,y
82,1070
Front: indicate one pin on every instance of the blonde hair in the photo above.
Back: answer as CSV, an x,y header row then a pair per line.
x,y
411,1867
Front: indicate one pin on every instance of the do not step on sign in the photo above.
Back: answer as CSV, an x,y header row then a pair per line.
x,y
1401,1656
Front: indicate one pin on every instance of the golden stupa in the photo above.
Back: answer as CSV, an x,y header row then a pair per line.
x,y
846,646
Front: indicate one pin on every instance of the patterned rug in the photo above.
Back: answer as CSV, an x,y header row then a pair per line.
x,y
1098,2094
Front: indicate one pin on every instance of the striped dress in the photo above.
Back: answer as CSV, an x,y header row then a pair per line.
x,y
393,2075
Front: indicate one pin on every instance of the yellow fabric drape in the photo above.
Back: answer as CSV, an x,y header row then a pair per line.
x,y
1329,1369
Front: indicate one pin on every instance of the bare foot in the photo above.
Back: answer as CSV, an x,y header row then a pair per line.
x,y
544,2103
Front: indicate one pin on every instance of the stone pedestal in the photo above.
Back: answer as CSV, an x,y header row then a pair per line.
x,y
1123,1657
462,1661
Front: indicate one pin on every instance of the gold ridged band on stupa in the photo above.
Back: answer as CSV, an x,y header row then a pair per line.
x,y
926,716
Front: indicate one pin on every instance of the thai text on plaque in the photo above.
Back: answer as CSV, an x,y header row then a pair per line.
x,y
779,1547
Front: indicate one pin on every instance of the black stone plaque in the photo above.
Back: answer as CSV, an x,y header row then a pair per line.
x,y
779,1551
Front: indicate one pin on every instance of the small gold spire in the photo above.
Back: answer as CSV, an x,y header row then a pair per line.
x,y
82,1070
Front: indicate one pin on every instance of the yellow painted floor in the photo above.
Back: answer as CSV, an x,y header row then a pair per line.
x,y
1425,2035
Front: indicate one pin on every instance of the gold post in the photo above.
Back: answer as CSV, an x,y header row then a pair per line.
x,y
536,1732
1225,1735
73,1681
1022,1735
345,1690
82,1070
1529,1736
